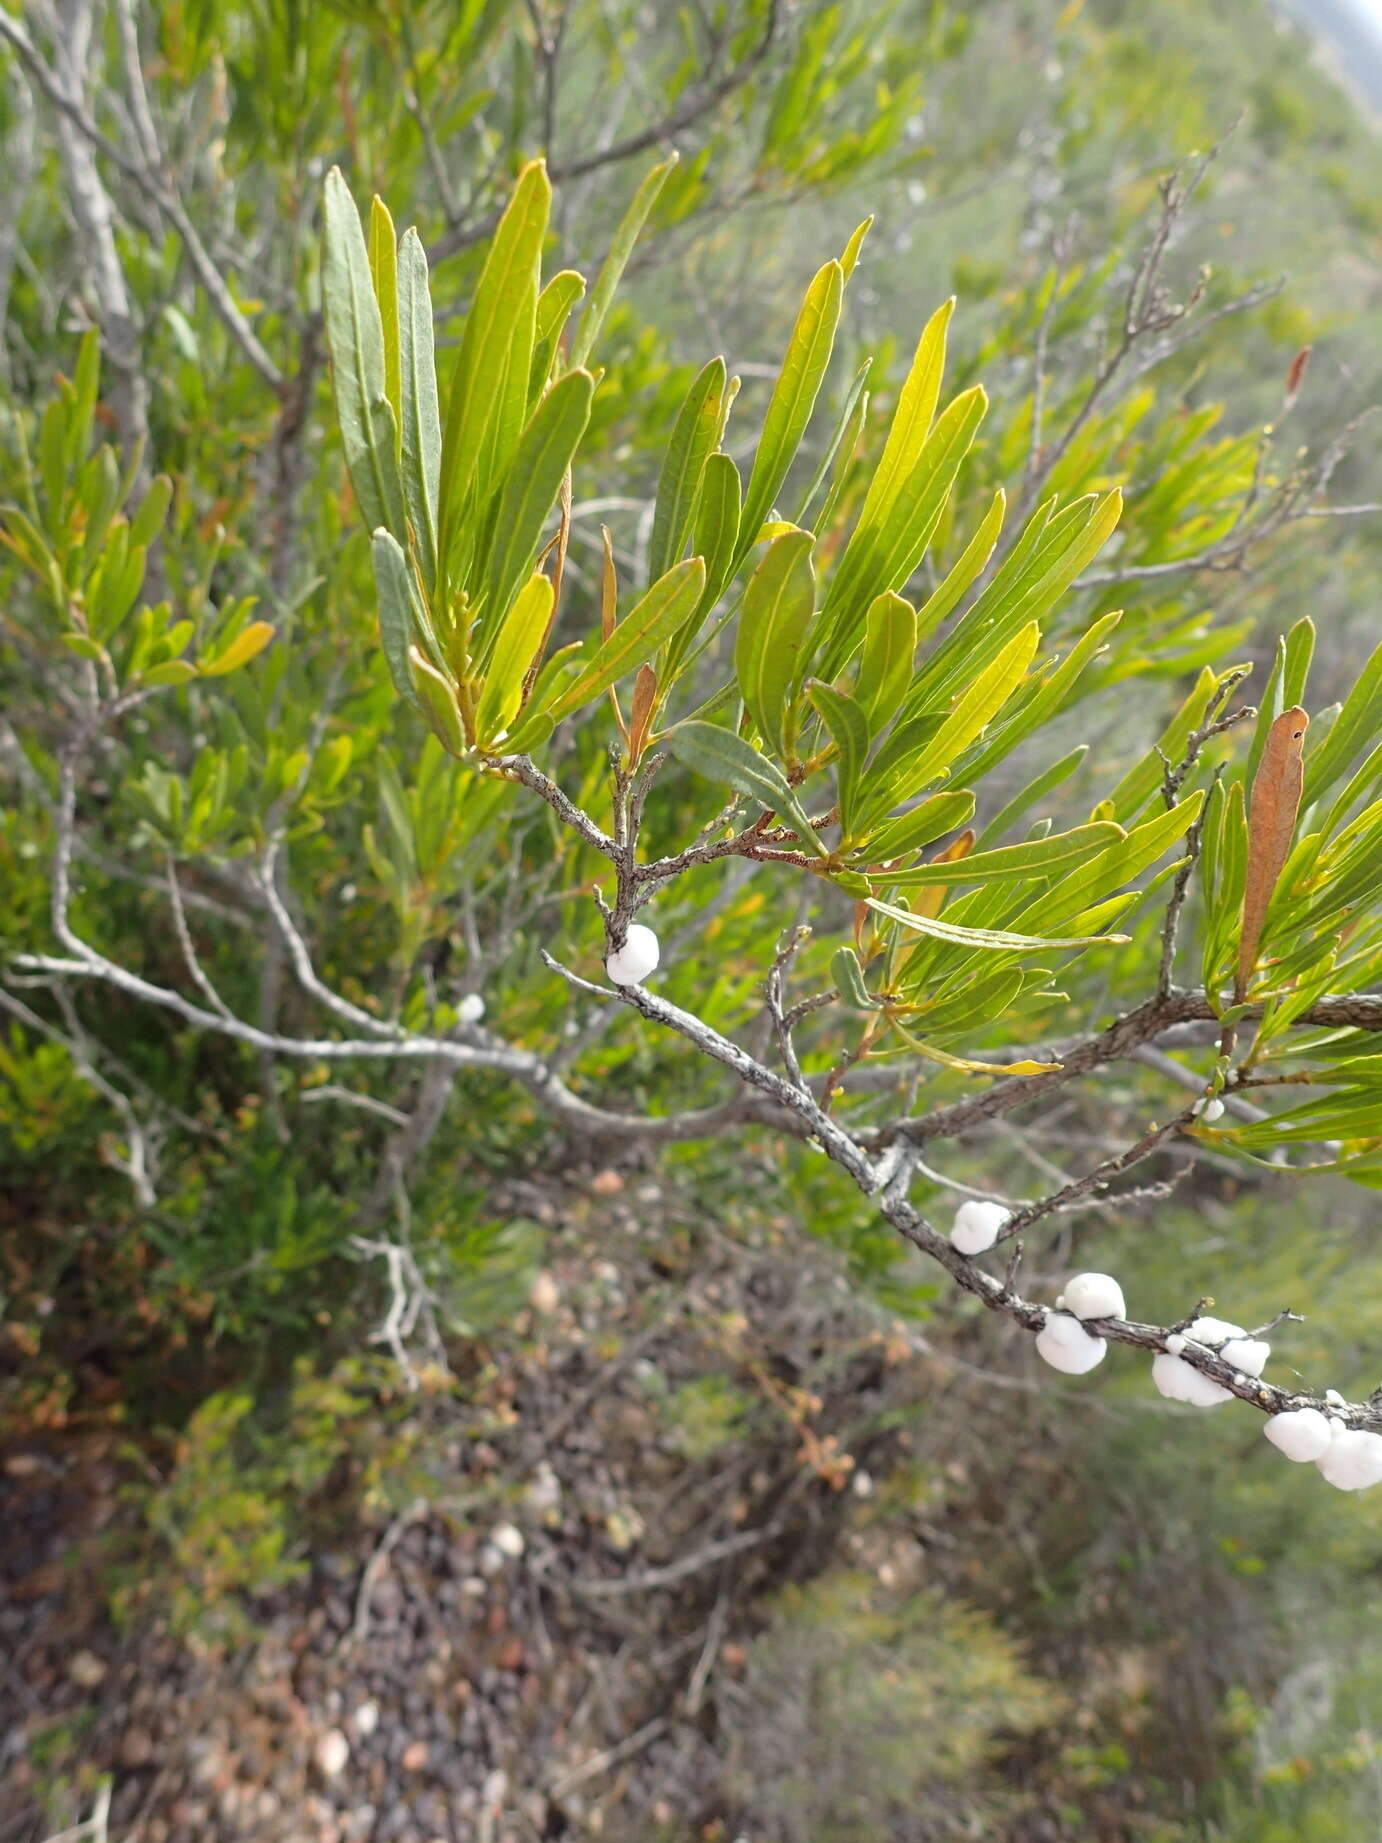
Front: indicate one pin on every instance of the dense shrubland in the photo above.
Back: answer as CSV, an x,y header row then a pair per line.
x,y
398,630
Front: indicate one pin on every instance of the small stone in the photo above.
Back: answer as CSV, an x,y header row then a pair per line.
x,y
333,1751
136,1748
366,1719
414,1757
606,1183
544,1295
86,1670
508,1540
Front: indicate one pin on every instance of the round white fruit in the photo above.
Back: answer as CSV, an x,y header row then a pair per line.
x,y
631,963
1064,1343
1302,1434
977,1225
1095,1295
1352,1461
1212,1110
471,1008
1180,1381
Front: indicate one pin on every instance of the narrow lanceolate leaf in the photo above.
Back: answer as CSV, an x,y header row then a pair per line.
x,y
638,636
421,418
849,979
394,585
793,398
495,358
1039,857
436,698
850,733
355,335
893,532
768,653
554,307
911,424
965,568
1272,811
719,755
694,436
611,272
533,484
922,825
248,643
885,666
975,710
715,535
1355,727
515,654
964,1065
383,265
993,939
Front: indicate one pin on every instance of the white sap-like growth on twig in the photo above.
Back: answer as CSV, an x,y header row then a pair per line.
x,y
1302,1434
1095,1295
1353,1459
977,1225
1064,1343
631,963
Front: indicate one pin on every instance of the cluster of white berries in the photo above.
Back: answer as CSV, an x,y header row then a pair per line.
x,y
631,963
1349,1458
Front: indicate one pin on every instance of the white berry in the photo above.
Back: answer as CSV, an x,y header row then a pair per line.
x,y
1352,1461
631,963
1064,1343
1095,1295
1301,1434
471,1008
977,1226
1180,1381
1212,1110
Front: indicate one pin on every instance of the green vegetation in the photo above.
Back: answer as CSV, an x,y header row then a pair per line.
x,y
647,522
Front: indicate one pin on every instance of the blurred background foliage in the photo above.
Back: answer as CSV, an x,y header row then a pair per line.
x,y
1195,1625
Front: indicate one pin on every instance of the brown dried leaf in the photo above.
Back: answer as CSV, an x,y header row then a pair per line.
x,y
1272,810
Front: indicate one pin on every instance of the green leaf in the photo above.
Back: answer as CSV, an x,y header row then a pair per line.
x,y
171,672
848,975
885,665
976,708
896,524
612,269
1035,790
355,335
394,584
1039,857
1356,725
383,266
436,698
715,536
554,307
515,651
850,733
793,399
652,620
995,940
768,654
839,436
489,386
421,412
694,436
1047,698
966,567
531,485
920,825
719,755
246,645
